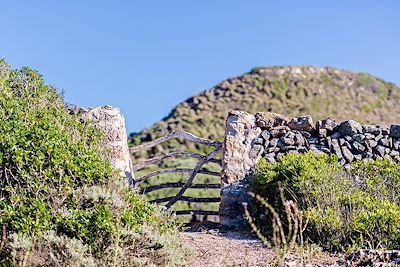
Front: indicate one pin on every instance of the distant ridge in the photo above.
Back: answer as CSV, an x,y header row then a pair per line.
x,y
293,91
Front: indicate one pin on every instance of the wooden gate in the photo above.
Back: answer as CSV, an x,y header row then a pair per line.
x,y
198,169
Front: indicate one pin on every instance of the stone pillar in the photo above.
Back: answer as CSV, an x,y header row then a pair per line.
x,y
239,161
112,123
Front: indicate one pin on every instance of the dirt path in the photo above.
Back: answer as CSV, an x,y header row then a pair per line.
x,y
215,249
226,249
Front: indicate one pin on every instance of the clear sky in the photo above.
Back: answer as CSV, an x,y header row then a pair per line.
x,y
147,56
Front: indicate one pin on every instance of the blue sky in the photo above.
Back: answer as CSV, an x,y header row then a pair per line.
x,y
147,56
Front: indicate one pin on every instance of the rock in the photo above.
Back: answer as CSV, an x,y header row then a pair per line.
x,y
273,142
396,144
258,141
265,134
347,154
380,150
313,140
112,123
358,147
336,148
350,128
268,120
336,135
303,123
256,152
279,131
270,157
371,143
359,138
387,142
385,130
371,129
322,133
395,131
327,124
299,139
305,134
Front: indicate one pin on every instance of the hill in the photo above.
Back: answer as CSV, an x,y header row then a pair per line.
x,y
293,91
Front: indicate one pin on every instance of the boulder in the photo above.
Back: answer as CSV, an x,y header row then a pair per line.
x,y
267,120
395,131
303,123
327,124
350,128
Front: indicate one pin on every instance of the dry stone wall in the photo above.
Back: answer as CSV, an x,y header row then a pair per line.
x,y
250,137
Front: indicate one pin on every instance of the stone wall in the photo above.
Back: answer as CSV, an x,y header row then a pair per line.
x,y
112,123
250,137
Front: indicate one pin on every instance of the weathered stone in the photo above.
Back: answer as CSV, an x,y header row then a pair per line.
x,y
305,134
358,157
112,123
240,133
394,153
273,142
342,141
371,129
266,144
348,138
303,123
266,135
270,157
380,150
336,148
327,124
288,141
387,142
258,141
256,152
358,147
336,135
359,138
385,130
279,131
299,139
371,143
347,154
369,136
272,150
378,137
350,128
322,133
268,120
395,131
396,144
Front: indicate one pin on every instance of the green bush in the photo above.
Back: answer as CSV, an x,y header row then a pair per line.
x,y
357,208
60,200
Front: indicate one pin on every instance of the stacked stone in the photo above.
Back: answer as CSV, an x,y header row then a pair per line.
x,y
350,140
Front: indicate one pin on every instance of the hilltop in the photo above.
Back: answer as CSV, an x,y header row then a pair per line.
x,y
293,91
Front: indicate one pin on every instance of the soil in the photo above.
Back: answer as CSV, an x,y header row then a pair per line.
x,y
214,248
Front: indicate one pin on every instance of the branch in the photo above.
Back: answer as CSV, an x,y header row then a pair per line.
x,y
193,175
177,170
188,199
196,212
180,134
178,185
176,154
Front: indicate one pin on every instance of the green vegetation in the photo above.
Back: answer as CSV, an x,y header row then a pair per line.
x,y
346,210
60,201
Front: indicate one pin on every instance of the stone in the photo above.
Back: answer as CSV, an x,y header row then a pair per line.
x,y
313,140
256,151
240,132
322,133
273,142
359,138
395,131
268,120
394,153
327,124
396,144
358,147
303,123
371,129
385,130
347,154
371,143
358,157
270,157
110,120
369,136
305,134
266,135
336,135
266,144
350,128
380,150
279,131
387,142
299,139
259,141
336,148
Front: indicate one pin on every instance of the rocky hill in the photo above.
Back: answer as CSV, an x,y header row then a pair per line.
x,y
293,91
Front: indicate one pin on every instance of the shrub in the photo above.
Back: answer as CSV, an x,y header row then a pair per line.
x,y
351,209
60,201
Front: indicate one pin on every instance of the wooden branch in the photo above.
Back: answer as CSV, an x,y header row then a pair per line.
x,y
193,175
176,154
196,212
176,170
179,134
189,199
178,185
